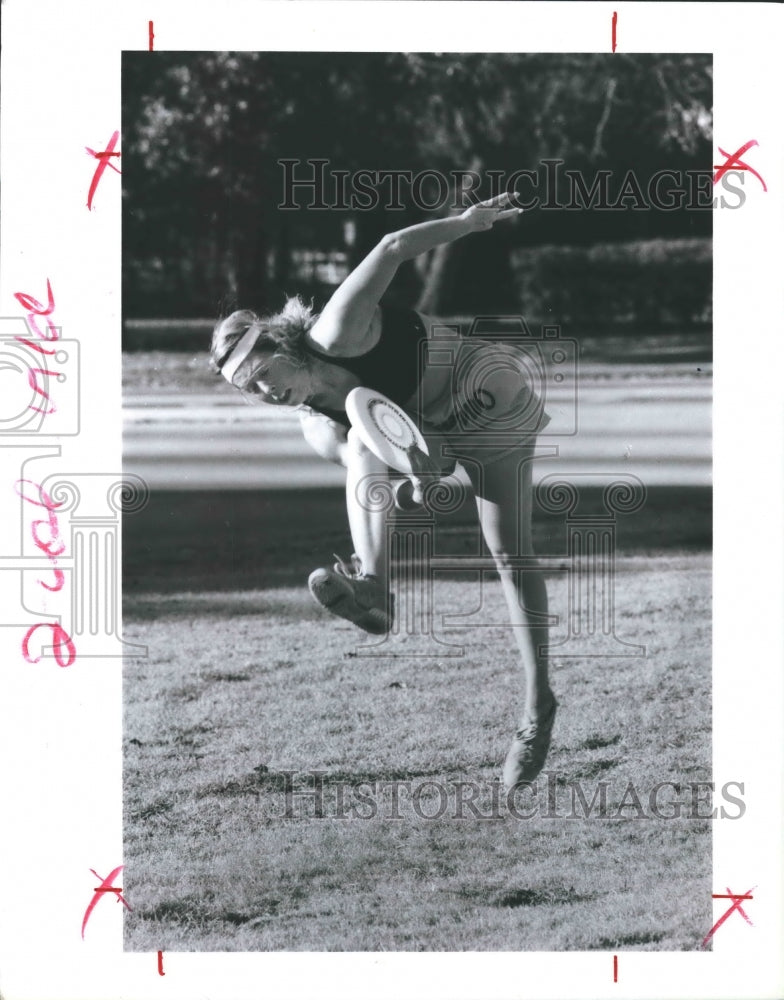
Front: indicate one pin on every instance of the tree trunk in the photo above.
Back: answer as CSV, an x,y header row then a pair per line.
x,y
253,285
440,266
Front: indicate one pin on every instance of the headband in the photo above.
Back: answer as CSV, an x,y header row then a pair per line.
x,y
241,350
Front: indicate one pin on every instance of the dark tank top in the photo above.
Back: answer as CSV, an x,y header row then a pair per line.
x,y
392,366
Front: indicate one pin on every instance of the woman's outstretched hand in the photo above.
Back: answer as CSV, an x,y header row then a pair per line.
x,y
485,214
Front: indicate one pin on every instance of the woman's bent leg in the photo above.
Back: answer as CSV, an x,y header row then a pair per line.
x,y
367,518
359,590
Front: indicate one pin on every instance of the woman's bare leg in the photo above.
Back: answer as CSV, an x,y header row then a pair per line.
x,y
367,515
361,593
504,501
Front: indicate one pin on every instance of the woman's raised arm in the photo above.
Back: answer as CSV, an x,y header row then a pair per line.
x,y
345,320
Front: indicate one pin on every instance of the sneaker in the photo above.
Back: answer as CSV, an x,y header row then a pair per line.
x,y
528,751
347,592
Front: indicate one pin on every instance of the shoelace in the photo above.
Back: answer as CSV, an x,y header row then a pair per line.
x,y
352,569
530,730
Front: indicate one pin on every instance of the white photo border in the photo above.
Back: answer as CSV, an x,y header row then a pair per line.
x,y
61,727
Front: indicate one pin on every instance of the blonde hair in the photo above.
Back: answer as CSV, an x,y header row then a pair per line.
x,y
283,333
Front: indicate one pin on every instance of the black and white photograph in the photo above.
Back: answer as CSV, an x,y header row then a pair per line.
x,y
417,354
390,472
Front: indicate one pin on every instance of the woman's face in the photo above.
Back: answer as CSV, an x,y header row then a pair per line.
x,y
274,379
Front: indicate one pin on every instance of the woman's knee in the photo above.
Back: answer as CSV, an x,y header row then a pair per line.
x,y
357,449
505,561
358,454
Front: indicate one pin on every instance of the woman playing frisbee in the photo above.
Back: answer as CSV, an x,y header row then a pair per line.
x,y
313,362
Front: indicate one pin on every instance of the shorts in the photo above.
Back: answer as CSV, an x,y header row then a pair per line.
x,y
494,408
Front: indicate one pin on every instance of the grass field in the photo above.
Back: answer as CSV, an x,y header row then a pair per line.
x,y
240,686
248,685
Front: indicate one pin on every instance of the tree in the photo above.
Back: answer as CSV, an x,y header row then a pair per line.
x,y
203,134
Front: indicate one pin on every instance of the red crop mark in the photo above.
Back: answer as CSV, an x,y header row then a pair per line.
x,y
734,162
105,886
151,36
615,968
614,28
160,953
103,163
737,899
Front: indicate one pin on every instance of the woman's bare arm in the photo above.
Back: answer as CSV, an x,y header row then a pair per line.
x,y
325,436
346,318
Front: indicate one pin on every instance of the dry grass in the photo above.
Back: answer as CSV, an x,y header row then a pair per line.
x,y
239,687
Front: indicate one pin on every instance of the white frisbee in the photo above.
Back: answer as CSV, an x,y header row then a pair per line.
x,y
384,428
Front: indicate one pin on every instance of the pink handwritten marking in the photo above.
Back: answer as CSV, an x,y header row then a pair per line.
x,y
60,640
32,381
103,163
160,953
737,899
151,35
37,309
105,886
614,26
615,968
52,546
35,347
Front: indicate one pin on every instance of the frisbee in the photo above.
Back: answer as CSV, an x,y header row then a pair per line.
x,y
384,428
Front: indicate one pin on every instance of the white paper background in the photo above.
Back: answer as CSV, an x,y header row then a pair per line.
x,y
61,728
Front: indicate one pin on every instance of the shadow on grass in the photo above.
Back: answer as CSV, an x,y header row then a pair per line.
x,y
220,607
261,779
559,896
628,940
228,541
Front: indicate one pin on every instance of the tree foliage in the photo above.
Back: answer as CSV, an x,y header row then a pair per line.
x,y
203,134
